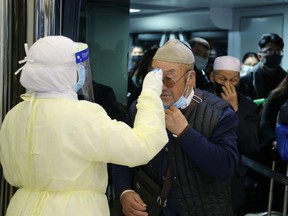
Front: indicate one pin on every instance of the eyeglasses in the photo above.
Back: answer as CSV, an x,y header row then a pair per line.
x,y
270,51
170,83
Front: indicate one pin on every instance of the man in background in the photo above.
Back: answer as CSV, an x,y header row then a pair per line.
x,y
200,48
225,79
268,73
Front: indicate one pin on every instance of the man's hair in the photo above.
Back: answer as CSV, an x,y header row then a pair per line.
x,y
198,40
270,38
249,54
136,46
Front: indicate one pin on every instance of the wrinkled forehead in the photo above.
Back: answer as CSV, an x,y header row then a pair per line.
x,y
227,73
171,67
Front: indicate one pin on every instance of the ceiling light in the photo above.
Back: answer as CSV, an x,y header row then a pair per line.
x,y
134,10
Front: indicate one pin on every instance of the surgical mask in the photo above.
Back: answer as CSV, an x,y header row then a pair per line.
x,y
81,78
217,87
200,62
246,69
183,102
272,61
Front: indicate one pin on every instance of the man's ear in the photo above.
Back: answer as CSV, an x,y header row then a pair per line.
x,y
192,78
259,55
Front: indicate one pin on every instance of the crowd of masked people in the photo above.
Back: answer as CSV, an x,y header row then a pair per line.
x,y
213,119
176,149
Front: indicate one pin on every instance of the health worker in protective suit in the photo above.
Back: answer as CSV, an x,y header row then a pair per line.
x,y
55,148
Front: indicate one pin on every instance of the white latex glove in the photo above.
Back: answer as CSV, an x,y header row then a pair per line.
x,y
153,80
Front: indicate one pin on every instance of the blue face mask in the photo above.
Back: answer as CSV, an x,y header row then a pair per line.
x,y
181,102
81,78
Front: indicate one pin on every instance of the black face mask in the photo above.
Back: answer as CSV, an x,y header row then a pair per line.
x,y
136,59
217,87
272,61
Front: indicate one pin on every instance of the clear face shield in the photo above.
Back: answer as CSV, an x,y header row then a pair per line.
x,y
84,86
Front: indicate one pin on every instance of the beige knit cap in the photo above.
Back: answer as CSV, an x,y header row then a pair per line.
x,y
174,51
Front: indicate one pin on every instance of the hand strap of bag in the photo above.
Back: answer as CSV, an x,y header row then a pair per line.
x,y
162,199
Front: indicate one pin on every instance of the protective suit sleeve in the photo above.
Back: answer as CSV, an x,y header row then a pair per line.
x,y
153,81
121,144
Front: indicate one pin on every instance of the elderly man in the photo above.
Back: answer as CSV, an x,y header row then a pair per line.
x,y
225,78
195,167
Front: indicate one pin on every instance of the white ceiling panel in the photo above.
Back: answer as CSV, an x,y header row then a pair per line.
x,y
177,15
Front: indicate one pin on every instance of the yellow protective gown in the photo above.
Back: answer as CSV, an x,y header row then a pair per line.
x,y
57,150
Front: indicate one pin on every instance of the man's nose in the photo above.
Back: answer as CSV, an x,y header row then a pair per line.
x,y
164,87
227,82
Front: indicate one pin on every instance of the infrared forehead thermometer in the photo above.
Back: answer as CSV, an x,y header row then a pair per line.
x,y
155,70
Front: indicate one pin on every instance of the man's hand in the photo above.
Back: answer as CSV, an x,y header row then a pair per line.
x,y
176,122
133,205
230,95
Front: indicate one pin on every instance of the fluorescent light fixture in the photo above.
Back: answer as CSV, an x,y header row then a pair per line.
x,y
134,10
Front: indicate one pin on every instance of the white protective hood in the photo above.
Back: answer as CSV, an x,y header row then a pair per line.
x,y
50,69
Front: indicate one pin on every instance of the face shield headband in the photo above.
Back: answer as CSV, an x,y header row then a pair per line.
x,y
84,86
81,56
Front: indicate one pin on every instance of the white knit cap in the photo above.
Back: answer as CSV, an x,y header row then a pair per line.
x,y
229,63
174,51
51,67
